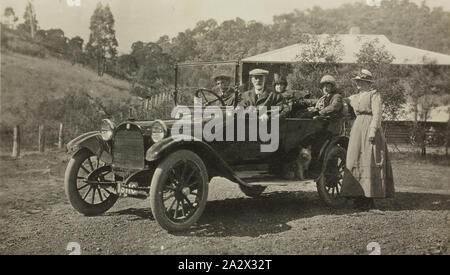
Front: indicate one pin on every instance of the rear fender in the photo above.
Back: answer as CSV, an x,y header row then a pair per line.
x,y
92,141
215,164
330,143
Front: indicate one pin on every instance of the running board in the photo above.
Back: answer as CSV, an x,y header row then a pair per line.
x,y
279,182
262,178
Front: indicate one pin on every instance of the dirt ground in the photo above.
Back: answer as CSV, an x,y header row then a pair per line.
x,y
36,218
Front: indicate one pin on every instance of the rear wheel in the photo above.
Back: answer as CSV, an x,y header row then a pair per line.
x,y
86,184
179,190
329,185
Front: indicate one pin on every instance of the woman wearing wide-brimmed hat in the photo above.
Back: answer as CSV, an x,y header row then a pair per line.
x,y
369,173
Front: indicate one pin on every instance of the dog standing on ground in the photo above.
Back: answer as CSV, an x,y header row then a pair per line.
x,y
296,169
302,162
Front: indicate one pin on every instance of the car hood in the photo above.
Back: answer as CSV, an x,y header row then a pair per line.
x,y
146,125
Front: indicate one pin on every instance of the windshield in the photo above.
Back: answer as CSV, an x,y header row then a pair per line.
x,y
194,76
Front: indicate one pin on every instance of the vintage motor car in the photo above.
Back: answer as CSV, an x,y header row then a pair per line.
x,y
141,159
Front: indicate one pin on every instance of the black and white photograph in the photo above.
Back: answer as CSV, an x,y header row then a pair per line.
x,y
225,127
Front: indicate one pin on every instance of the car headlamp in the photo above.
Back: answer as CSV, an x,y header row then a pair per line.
x,y
107,129
159,131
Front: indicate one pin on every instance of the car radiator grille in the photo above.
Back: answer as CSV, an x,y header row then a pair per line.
x,y
128,149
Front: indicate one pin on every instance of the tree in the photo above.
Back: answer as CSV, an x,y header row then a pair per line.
x,y
31,24
56,41
378,60
427,88
75,49
9,18
164,43
154,68
127,66
102,44
184,47
320,55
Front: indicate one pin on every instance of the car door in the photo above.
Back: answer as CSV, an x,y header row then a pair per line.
x,y
252,151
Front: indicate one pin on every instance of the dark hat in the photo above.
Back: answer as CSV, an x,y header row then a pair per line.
x,y
364,75
222,77
258,72
279,79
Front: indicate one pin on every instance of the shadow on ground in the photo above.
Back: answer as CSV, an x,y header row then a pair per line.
x,y
138,213
271,213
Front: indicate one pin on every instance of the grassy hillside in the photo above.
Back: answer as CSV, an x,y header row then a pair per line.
x,y
36,90
27,81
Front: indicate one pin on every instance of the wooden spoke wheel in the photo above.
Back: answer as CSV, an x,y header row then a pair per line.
x,y
89,184
179,190
329,185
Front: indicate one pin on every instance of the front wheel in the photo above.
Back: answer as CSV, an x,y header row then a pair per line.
x,y
179,190
88,184
329,184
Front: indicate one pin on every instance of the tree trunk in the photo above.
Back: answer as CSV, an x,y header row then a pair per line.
x,y
60,137
447,138
41,139
16,142
31,21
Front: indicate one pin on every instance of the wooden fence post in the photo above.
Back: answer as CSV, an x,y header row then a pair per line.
x,y
41,139
16,142
60,136
447,138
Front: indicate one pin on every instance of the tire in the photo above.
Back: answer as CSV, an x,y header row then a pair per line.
x,y
254,191
329,184
181,179
81,163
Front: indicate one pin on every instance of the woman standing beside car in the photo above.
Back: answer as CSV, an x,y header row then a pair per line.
x,y
369,173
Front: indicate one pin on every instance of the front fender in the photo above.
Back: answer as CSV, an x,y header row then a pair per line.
x,y
215,164
94,142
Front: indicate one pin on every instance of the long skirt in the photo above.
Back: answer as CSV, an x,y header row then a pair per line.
x,y
369,170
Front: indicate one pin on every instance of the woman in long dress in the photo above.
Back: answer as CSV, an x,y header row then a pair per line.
x,y
369,170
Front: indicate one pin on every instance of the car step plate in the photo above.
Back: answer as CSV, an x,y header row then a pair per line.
x,y
265,179
278,182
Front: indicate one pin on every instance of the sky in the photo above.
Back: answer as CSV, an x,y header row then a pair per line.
x,y
147,20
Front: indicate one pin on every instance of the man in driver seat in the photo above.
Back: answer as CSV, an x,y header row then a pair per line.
x,y
224,90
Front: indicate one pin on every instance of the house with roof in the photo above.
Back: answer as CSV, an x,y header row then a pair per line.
x,y
281,61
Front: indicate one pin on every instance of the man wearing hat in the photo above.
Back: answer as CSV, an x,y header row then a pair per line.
x,y
223,89
259,95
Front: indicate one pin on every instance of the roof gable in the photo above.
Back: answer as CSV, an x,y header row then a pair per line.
x,y
351,45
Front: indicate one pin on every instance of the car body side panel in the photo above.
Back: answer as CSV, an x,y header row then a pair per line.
x,y
299,129
216,165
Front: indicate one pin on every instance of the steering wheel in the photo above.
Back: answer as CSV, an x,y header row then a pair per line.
x,y
202,92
